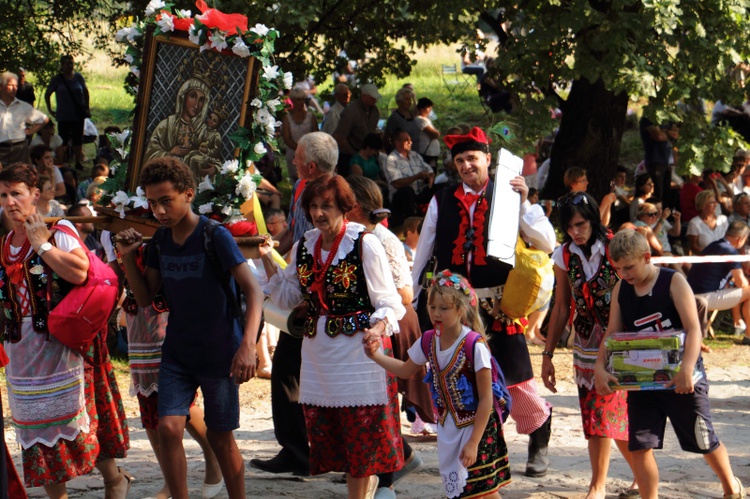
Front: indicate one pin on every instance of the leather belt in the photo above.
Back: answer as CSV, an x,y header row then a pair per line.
x,y
11,143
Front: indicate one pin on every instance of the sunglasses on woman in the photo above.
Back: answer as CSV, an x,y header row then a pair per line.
x,y
576,200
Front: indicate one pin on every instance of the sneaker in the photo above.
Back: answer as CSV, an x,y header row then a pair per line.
x,y
745,341
411,466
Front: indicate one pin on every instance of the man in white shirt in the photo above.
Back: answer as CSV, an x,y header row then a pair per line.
x,y
455,232
409,179
18,120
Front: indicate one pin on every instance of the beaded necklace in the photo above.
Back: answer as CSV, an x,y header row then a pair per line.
x,y
14,263
320,271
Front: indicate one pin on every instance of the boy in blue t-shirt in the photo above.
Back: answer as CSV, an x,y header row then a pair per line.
x,y
205,345
644,301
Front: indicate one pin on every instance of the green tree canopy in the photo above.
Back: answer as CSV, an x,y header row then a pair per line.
x,y
590,57
35,33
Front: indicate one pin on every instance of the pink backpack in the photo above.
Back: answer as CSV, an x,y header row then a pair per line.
x,y
85,310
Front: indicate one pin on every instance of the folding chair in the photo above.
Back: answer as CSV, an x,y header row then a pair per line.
x,y
454,80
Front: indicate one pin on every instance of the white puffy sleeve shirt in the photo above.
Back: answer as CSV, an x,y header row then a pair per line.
x,y
335,371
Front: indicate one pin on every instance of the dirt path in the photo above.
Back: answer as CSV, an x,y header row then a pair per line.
x,y
682,475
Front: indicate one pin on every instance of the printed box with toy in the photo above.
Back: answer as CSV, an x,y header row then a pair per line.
x,y
646,360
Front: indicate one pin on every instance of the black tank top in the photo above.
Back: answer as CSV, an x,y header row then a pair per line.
x,y
652,312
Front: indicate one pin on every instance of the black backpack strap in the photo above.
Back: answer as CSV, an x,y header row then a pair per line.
x,y
210,247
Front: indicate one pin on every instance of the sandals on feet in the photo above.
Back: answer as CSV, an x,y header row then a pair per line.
x,y
110,485
737,495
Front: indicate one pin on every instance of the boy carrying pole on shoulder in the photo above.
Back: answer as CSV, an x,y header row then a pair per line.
x,y
650,298
205,345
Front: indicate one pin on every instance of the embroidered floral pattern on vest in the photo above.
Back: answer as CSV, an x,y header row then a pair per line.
x,y
37,276
452,387
347,304
591,297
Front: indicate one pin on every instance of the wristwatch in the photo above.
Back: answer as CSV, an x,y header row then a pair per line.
x,y
45,247
548,354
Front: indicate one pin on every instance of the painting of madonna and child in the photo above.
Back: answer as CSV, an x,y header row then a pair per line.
x,y
194,100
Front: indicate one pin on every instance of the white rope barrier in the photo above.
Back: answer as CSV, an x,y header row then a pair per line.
x,y
701,259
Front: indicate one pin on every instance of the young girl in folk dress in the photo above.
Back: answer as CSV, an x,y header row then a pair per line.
x,y
472,453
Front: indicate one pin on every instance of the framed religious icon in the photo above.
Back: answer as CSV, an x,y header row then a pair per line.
x,y
190,101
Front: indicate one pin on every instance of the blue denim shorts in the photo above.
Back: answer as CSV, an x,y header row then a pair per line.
x,y
221,396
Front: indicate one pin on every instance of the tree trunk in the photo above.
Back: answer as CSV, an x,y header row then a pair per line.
x,y
593,120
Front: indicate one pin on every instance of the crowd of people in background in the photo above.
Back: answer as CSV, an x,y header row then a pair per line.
x,y
384,239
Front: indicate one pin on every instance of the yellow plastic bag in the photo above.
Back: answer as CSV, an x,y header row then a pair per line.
x,y
529,284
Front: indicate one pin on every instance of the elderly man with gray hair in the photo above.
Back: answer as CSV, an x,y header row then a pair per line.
x,y
18,120
342,96
403,118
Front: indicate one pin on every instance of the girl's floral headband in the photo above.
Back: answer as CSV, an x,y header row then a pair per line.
x,y
446,278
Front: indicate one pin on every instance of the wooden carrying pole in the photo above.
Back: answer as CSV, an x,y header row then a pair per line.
x,y
78,220
105,219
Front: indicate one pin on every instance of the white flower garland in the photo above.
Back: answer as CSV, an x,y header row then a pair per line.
x,y
233,185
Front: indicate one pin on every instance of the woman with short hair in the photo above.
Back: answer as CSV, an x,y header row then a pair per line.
x,y
341,272
707,227
66,405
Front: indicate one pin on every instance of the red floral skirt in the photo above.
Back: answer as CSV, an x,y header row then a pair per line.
x,y
360,440
108,432
149,409
604,415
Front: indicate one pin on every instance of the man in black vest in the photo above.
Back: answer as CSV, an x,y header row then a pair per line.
x,y
455,232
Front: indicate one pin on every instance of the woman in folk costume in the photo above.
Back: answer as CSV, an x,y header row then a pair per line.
x,y
584,272
65,405
342,273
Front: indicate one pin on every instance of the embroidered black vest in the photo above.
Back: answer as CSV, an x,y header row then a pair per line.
x,y
494,272
599,289
456,382
37,275
346,295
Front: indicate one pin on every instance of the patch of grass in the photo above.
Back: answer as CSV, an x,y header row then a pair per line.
x,y
110,104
